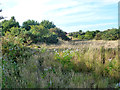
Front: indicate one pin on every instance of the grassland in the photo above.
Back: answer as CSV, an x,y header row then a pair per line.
x,y
74,64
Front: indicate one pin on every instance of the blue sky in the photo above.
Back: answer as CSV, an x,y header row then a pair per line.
x,y
69,15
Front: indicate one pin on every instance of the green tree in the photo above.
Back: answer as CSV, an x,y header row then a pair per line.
x,y
98,36
1,17
7,24
47,24
81,37
111,34
28,23
89,35
38,32
50,38
59,33
80,31
15,31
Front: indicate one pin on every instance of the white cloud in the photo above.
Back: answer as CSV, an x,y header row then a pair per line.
x,y
59,11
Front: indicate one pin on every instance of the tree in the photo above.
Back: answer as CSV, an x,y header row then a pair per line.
x,y
59,33
28,23
81,37
98,36
50,38
80,31
89,35
8,24
38,32
1,17
47,24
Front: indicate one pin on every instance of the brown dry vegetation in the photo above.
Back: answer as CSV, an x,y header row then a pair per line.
x,y
47,69
81,44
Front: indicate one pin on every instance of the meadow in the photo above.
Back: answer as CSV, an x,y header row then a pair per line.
x,y
68,64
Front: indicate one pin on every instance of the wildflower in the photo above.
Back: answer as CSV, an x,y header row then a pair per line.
x,y
110,59
10,49
3,68
77,49
71,51
45,69
55,50
117,85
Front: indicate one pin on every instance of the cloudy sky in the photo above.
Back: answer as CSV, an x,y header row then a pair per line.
x,y
69,15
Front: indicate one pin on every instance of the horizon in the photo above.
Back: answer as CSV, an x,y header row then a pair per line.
x,y
69,16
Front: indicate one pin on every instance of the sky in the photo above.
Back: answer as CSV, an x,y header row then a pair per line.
x,y
68,15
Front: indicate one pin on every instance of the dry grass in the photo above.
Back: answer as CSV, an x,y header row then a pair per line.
x,y
82,44
45,69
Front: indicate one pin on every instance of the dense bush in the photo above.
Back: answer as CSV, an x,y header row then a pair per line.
x,y
112,34
7,24
14,57
15,31
38,32
88,35
51,38
28,23
60,33
81,37
47,24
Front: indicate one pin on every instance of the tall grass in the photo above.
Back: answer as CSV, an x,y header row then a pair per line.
x,y
60,68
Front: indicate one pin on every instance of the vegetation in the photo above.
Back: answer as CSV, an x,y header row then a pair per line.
x,y
60,33
27,64
110,34
28,23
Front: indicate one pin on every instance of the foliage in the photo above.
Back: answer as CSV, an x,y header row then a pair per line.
x,y
59,33
28,23
81,37
1,17
89,35
23,67
47,24
112,34
15,31
66,68
7,24
51,38
65,59
38,32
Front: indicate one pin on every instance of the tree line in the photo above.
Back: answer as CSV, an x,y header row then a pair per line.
x,y
110,34
32,31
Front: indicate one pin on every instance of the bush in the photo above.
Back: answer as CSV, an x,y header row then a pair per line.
x,y
50,39
7,24
112,34
60,33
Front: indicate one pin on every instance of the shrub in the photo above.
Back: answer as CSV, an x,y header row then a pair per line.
x,y
50,39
